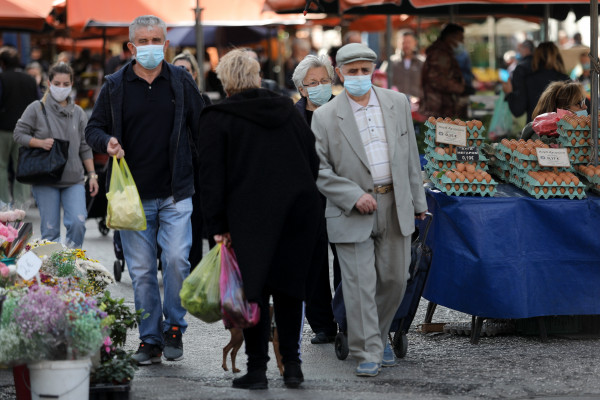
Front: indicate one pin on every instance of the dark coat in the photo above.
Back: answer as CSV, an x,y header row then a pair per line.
x,y
107,121
536,83
258,167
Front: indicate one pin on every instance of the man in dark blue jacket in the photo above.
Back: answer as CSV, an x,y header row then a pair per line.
x,y
149,110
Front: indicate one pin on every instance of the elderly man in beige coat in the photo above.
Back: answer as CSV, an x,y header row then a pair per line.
x,y
370,174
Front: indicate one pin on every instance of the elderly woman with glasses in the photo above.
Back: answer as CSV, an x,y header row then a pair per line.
x,y
258,170
570,96
313,78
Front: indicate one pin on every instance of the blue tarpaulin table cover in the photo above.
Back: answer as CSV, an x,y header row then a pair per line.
x,y
514,256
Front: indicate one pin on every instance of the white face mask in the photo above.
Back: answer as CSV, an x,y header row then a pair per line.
x,y
60,93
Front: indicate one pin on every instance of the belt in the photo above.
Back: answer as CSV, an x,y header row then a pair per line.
x,y
383,189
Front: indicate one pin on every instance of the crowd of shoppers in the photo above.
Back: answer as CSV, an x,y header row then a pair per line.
x,y
279,183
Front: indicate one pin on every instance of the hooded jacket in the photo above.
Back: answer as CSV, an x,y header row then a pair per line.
x,y
107,121
258,168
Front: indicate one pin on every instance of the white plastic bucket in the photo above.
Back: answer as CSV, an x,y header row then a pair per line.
x,y
64,380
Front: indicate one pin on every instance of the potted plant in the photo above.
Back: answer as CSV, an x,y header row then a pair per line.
x,y
111,377
54,330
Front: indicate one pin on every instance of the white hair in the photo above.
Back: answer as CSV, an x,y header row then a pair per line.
x,y
311,61
146,21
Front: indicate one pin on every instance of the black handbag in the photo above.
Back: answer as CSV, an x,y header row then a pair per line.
x,y
41,167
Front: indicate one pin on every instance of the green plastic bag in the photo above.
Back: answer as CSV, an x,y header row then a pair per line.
x,y
125,210
502,119
200,293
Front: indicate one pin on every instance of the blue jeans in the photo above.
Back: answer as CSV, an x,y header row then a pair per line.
x,y
169,225
72,198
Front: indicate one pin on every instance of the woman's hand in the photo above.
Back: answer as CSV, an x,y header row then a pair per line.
x,y
225,238
93,186
45,144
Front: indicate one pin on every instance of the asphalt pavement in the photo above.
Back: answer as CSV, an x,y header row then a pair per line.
x,y
437,366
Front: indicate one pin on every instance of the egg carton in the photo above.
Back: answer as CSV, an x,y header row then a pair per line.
x,y
474,138
502,164
591,180
568,141
566,126
515,180
446,164
546,192
533,182
579,155
462,188
503,175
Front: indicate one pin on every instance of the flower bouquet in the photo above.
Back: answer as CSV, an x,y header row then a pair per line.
x,y
49,323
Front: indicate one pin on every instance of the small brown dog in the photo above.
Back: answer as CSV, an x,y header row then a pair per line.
x,y
237,338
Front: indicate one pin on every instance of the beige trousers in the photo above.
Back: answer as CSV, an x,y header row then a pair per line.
x,y
374,275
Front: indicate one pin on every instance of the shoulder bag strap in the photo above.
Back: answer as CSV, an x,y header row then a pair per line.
x,y
46,116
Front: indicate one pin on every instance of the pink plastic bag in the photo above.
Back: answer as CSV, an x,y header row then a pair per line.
x,y
237,311
545,124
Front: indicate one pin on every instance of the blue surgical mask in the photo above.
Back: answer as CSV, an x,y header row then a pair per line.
x,y
586,66
150,55
518,56
581,113
319,94
357,85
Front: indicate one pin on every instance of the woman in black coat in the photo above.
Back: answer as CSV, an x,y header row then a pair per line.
x,y
258,168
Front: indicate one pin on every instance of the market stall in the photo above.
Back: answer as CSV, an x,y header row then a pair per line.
x,y
514,256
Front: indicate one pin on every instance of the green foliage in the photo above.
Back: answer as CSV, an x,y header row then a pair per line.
x,y
120,318
116,367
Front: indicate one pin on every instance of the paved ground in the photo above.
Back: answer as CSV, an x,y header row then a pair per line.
x,y
437,366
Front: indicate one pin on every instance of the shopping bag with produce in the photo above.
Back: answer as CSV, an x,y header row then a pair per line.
x,y
125,210
237,311
200,293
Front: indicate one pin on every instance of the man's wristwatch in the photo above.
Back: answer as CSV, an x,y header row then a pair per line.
x,y
92,175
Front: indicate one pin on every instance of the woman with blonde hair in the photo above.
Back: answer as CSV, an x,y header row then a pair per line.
x,y
258,167
568,96
188,62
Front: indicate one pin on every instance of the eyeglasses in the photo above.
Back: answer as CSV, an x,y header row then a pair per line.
x,y
582,103
317,83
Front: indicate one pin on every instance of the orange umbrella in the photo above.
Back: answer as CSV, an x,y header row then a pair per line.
x,y
24,14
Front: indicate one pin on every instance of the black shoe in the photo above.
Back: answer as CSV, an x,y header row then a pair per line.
x,y
322,338
253,380
147,354
292,375
173,350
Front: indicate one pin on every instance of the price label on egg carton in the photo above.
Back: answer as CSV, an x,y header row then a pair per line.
x,y
451,134
467,154
553,157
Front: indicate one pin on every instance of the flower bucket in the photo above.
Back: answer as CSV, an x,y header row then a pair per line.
x,y
22,385
64,380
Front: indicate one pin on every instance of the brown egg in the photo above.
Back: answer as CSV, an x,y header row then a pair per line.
x,y
507,156
475,134
590,172
573,142
457,121
440,164
576,150
526,151
545,190
533,164
448,186
482,188
474,188
571,190
447,150
582,141
579,190
478,124
488,178
536,189
460,177
456,187
460,167
505,142
448,120
567,179
465,187
451,175
482,164
461,123
440,151
440,119
469,176
562,190
478,141
470,125
558,180
525,164
431,120
470,168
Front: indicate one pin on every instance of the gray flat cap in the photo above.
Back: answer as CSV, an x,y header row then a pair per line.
x,y
354,52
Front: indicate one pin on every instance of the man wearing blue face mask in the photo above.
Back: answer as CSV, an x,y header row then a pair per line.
x,y
150,109
371,176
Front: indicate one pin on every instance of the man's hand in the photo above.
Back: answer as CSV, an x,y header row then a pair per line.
x,y
225,238
114,148
422,215
366,204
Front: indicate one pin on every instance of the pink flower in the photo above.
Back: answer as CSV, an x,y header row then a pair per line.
x,y
4,271
107,343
